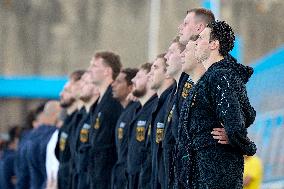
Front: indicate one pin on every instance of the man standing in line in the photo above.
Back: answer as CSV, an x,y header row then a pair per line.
x,y
38,142
138,155
163,85
62,151
194,22
214,102
121,88
105,67
89,95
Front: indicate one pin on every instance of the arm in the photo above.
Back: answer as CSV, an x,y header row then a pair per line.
x,y
228,109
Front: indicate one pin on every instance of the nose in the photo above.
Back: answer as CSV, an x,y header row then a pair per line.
x,y
180,27
166,56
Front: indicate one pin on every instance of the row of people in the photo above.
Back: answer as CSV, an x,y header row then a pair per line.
x,y
179,122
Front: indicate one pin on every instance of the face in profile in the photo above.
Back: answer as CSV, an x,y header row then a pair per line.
x,y
87,87
98,70
188,28
140,83
66,96
202,48
173,58
120,87
188,57
157,74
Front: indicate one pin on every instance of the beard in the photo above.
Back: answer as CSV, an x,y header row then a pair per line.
x,y
86,98
139,93
68,103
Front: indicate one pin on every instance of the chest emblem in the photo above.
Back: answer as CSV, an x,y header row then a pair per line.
x,y
84,133
62,141
140,131
120,130
159,132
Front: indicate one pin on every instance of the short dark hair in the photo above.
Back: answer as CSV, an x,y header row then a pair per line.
x,y
222,32
130,73
146,66
112,60
180,45
77,74
204,15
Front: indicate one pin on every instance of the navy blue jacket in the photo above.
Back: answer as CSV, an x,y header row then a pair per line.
x,y
7,169
219,97
63,152
36,155
21,167
119,175
103,152
74,133
157,136
176,99
139,156
80,179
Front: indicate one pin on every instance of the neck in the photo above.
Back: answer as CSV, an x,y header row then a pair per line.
x,y
124,102
177,76
196,73
166,84
72,108
146,97
211,60
90,103
80,104
103,87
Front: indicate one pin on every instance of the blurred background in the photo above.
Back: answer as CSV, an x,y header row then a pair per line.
x,y
41,42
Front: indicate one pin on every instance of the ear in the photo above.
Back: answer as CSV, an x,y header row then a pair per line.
x,y
129,88
108,71
167,75
214,45
200,27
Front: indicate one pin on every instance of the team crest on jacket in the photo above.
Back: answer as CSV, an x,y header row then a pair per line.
x,y
84,133
186,88
97,123
159,132
62,141
120,130
140,131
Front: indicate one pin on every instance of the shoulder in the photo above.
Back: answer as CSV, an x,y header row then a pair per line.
x,y
221,77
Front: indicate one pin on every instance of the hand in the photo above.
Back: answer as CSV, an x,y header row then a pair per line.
x,y
220,135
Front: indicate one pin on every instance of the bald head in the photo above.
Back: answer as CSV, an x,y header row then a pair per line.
x,y
51,112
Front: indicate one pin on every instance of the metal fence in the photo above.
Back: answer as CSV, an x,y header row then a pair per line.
x,y
268,134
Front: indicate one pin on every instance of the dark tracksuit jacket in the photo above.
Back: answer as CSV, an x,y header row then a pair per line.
x,y
36,155
102,156
119,174
176,100
7,171
139,156
21,167
74,132
80,178
156,138
62,152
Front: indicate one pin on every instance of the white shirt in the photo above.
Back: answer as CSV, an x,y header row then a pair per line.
x,y
52,163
